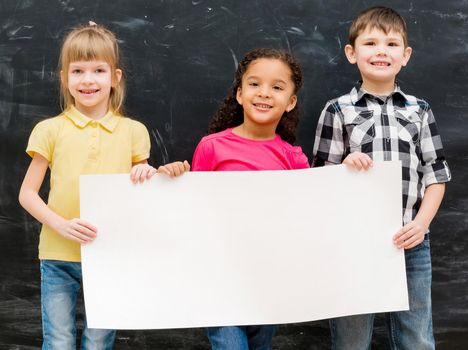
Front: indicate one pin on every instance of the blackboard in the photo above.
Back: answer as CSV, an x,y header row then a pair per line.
x,y
179,61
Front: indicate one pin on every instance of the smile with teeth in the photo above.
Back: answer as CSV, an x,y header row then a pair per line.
x,y
381,64
262,106
88,91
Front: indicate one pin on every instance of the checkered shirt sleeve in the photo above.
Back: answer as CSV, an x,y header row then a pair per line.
x,y
329,145
434,165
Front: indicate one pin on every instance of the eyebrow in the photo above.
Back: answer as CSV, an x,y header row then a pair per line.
x,y
391,38
77,65
256,77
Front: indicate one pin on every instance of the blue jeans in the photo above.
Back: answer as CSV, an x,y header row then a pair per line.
x,y
60,284
407,329
241,337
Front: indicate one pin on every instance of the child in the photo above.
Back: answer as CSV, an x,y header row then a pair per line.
x,y
90,136
254,130
376,121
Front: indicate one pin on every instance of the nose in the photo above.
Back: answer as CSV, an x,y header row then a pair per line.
x,y
381,50
264,91
87,77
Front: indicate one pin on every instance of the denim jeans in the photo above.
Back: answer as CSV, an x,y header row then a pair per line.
x,y
241,337
60,284
411,329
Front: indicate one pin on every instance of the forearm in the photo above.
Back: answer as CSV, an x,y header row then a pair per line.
x,y
34,205
430,204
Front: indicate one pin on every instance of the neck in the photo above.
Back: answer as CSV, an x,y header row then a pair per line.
x,y
254,132
379,88
93,112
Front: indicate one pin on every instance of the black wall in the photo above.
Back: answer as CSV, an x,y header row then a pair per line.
x,y
179,61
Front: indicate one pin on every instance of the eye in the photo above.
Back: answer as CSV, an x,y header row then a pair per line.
x,y
100,70
76,71
369,43
253,84
278,87
395,44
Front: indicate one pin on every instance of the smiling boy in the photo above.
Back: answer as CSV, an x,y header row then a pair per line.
x,y
377,121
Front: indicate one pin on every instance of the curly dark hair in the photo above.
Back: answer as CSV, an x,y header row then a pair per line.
x,y
230,113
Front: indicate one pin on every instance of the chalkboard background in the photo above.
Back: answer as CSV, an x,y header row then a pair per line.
x,y
179,60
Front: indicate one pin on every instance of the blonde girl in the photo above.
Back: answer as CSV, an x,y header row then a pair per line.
x,y
90,136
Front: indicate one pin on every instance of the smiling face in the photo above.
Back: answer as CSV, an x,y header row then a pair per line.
x,y
379,57
266,92
90,83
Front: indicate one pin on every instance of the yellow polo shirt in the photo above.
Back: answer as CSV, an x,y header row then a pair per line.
x,y
74,145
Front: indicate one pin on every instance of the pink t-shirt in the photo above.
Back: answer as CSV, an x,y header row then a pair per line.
x,y
227,151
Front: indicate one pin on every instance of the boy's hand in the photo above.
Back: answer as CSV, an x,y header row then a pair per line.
x,y
77,230
358,161
410,235
174,169
141,172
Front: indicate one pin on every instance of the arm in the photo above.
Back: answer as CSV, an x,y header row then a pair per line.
x,y
329,145
75,229
413,233
436,173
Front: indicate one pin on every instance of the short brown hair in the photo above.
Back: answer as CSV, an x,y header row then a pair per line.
x,y
87,43
383,18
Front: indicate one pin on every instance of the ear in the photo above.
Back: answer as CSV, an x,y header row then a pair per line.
x,y
350,53
239,95
406,56
292,103
118,76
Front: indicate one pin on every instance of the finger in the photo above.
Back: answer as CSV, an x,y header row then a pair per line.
x,y
164,170
412,242
150,173
186,165
367,162
357,164
84,225
401,232
181,167
363,162
143,174
175,170
72,236
407,236
75,235
136,174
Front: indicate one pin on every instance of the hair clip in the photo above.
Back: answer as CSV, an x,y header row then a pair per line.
x,y
92,24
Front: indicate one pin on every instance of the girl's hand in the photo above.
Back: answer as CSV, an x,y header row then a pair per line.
x,y
141,172
77,230
358,161
174,169
410,235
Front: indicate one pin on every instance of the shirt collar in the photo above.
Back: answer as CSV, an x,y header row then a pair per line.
x,y
108,122
357,93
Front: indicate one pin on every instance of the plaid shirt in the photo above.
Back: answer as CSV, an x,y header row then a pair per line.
x,y
397,127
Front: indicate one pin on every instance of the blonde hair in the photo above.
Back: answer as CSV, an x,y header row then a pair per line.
x,y
87,43
383,18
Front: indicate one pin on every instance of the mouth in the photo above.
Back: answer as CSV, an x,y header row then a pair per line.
x,y
88,91
380,64
263,106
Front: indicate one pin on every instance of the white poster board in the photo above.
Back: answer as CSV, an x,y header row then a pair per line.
x,y
236,248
